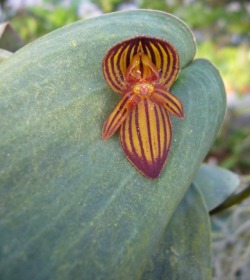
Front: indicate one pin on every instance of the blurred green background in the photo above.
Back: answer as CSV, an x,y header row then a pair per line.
x,y
222,32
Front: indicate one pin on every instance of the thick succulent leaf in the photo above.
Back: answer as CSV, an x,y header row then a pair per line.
x,y
9,39
184,250
4,54
216,184
71,205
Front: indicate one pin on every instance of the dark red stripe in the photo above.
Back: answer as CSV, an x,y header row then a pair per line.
x,y
109,78
123,128
170,128
164,129
165,71
161,56
149,130
143,43
134,50
152,54
118,111
138,132
130,133
117,124
175,63
122,132
119,60
166,97
158,129
113,68
141,67
128,60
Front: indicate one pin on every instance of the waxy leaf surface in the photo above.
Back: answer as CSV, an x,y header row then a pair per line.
x,y
184,250
72,207
216,184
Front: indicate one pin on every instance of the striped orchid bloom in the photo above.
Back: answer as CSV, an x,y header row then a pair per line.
x,y
142,70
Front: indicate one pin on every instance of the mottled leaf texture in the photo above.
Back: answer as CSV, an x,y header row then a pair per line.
x,y
184,250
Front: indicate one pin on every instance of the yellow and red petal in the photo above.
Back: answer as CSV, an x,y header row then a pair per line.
x,y
166,59
161,53
119,114
171,103
141,68
146,136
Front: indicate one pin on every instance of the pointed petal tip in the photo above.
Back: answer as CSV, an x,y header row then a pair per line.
x,y
151,172
106,134
152,175
104,137
181,112
182,115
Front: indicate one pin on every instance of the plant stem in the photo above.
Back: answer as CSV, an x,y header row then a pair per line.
x,y
235,198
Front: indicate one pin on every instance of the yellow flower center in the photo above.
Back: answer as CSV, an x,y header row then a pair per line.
x,y
143,90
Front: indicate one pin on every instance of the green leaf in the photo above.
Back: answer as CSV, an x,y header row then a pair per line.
x,y
216,184
72,206
4,54
184,250
9,39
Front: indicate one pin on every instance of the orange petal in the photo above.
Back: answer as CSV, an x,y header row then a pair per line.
x,y
145,136
119,114
161,53
171,103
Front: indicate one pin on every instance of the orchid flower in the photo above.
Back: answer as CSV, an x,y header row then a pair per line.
x,y
142,70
